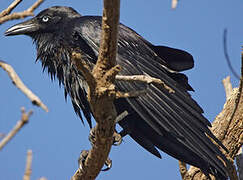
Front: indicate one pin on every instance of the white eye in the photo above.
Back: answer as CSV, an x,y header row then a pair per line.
x,y
45,18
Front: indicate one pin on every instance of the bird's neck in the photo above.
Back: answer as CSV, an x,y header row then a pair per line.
x,y
55,58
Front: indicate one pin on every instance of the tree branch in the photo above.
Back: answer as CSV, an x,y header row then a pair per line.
x,y
10,8
28,170
42,178
101,93
227,87
183,170
145,79
5,16
20,85
174,4
228,128
24,119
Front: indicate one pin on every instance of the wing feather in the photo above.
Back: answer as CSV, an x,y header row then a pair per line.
x,y
161,116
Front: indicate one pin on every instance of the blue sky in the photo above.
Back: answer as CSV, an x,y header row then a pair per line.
x,y
57,137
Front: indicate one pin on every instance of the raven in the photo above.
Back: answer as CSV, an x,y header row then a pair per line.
x,y
158,119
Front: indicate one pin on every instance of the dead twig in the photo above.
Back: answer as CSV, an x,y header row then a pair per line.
x,y
19,84
28,170
145,79
183,170
5,16
24,119
35,5
228,128
227,87
239,157
174,4
10,8
42,178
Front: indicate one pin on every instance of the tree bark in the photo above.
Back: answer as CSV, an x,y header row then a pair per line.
x,y
101,93
228,128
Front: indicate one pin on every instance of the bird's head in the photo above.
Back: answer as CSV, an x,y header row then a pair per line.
x,y
47,21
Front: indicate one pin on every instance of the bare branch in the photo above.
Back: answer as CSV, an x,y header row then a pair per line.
x,y
227,87
183,170
101,93
10,8
228,128
42,178
28,170
35,5
19,15
19,84
174,4
145,79
108,45
24,119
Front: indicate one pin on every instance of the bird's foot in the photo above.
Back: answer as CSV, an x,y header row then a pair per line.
x,y
92,136
84,154
117,139
108,164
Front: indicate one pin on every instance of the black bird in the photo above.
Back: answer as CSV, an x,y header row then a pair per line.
x,y
171,122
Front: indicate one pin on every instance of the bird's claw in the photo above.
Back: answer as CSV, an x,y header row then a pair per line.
x,y
117,139
108,164
92,136
83,155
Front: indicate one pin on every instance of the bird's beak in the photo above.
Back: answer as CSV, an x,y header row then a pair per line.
x,y
26,28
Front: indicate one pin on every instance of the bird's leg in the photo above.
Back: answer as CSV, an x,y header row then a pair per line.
x,y
117,140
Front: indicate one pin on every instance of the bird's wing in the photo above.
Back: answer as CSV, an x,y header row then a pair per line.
x,y
171,121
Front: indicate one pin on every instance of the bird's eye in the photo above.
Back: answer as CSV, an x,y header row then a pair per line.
x,y
45,18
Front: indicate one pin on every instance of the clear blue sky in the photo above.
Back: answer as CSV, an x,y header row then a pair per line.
x,y
57,137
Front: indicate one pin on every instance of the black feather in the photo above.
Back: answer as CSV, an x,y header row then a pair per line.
x,y
171,122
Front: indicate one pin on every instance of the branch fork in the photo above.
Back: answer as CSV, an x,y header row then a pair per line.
x,y
6,14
